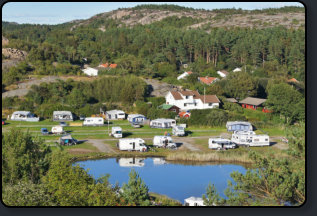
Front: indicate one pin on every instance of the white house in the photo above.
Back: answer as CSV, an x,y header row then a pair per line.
x,y
115,114
194,201
90,71
184,75
24,116
223,73
237,70
188,100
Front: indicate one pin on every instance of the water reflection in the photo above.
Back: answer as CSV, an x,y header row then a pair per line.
x,y
131,162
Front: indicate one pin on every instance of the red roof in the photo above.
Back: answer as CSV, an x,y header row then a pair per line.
x,y
293,80
209,99
207,80
189,72
184,114
104,65
113,65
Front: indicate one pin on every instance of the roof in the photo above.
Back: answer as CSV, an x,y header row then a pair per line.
x,y
93,118
62,113
21,112
194,199
224,72
209,99
176,95
182,114
253,101
207,80
67,137
116,128
237,122
163,120
237,69
113,65
231,100
293,80
135,115
104,65
189,72
114,111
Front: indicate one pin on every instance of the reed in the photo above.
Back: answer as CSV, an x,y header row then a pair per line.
x,y
230,157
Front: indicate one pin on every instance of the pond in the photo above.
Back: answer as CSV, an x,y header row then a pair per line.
x,y
176,180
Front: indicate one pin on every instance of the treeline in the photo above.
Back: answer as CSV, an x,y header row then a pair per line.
x,y
80,97
161,48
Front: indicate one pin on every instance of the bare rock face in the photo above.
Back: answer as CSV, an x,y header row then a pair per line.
x,y
5,41
14,53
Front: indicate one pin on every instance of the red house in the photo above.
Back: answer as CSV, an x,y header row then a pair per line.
x,y
254,103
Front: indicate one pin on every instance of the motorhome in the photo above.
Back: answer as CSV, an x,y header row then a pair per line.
x,y
58,130
93,121
24,116
132,144
164,141
162,123
116,132
219,143
250,138
178,131
131,162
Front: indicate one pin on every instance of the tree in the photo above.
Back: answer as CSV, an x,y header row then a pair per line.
x,y
240,85
212,198
24,157
135,192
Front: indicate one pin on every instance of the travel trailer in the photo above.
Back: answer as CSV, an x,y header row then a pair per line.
x,y
58,130
164,141
219,143
136,118
132,144
62,116
239,126
178,131
116,132
250,138
162,123
24,116
131,162
115,115
194,201
93,121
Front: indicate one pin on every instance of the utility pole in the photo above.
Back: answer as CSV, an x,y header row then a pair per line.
x,y
204,97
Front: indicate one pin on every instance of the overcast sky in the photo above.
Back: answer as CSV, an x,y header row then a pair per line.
x,y
60,12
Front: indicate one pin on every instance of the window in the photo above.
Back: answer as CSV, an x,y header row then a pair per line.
x,y
195,104
186,97
256,140
210,104
266,139
185,104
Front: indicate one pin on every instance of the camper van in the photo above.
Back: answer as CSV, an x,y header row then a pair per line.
x,y
93,121
178,131
219,143
132,144
162,123
163,141
131,162
116,132
250,138
58,130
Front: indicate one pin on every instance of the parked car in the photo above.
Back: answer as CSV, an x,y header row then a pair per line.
x,y
63,124
44,131
82,117
135,125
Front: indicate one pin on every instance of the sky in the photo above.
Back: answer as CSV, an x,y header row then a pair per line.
x,y
60,12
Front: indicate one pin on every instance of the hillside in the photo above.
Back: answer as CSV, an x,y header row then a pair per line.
x,y
289,17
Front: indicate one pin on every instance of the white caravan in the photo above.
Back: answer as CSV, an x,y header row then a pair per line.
x,y
93,121
132,144
178,131
163,141
115,115
250,138
194,201
58,130
219,143
131,162
162,123
24,116
116,132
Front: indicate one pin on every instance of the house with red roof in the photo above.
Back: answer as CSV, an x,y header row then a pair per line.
x,y
188,100
207,80
108,66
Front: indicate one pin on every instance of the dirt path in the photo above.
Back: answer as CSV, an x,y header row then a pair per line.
x,y
101,146
186,142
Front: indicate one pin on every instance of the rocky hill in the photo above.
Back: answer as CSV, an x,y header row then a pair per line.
x,y
291,17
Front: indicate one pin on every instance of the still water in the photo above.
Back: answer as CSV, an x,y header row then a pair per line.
x,y
176,180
